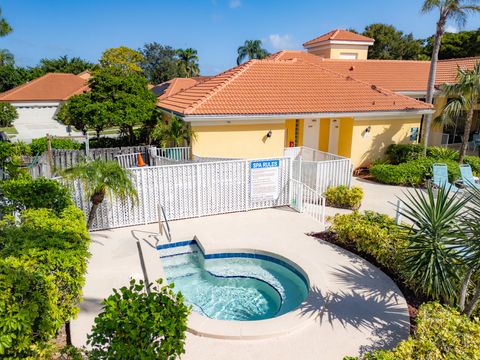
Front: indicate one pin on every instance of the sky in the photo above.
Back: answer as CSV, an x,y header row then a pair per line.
x,y
216,28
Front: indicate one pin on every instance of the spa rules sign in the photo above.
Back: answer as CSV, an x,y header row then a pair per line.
x,y
264,179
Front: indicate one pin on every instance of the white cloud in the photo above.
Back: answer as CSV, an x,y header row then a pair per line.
x,y
235,4
281,42
451,29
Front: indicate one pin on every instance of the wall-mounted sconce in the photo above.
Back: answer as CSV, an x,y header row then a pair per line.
x,y
366,132
368,129
269,134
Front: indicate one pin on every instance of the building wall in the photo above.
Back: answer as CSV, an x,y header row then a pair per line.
x,y
345,137
290,125
372,146
335,51
239,141
324,135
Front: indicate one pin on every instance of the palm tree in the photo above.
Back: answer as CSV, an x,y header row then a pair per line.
x,y
6,57
5,28
251,49
175,132
100,178
456,10
188,60
464,95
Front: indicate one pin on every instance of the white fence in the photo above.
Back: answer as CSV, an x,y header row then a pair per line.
x,y
175,153
306,200
320,175
309,154
185,191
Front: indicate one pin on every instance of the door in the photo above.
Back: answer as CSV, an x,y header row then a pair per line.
x,y
311,133
333,136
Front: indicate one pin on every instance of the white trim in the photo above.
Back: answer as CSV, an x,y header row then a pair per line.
x,y
35,103
338,42
276,117
213,122
413,94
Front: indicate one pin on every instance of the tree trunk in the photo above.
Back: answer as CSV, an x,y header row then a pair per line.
x,y
474,302
466,134
464,289
68,333
431,78
91,215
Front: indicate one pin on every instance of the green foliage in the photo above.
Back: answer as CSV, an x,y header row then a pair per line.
x,y
400,153
442,333
371,233
8,113
5,27
392,44
474,162
160,63
11,159
344,197
42,268
188,61
122,60
6,57
412,173
456,45
251,49
139,324
64,64
36,194
40,145
442,153
174,132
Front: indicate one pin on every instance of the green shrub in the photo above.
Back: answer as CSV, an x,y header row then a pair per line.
x,y
136,324
8,113
11,159
474,162
344,197
42,272
40,145
412,173
400,153
443,153
442,333
35,194
371,233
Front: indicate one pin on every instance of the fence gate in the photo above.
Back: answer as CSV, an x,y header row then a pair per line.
x,y
187,190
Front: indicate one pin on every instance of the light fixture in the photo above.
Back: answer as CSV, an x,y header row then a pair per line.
x,y
269,134
368,129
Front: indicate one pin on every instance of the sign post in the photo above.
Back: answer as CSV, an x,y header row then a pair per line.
x,y
264,180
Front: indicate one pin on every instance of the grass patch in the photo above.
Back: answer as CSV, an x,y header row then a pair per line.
x,y
9,130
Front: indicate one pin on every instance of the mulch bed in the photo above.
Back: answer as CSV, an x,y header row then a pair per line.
x,y
413,299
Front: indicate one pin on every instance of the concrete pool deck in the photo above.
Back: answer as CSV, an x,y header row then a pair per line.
x,y
353,307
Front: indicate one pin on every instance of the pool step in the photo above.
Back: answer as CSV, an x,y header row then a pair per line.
x,y
182,265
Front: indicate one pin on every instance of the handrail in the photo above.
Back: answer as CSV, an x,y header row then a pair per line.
x,y
163,224
305,199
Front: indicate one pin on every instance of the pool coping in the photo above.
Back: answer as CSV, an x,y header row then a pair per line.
x,y
201,325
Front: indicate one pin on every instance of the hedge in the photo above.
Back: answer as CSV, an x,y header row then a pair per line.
x,y
42,272
344,197
442,333
412,173
40,145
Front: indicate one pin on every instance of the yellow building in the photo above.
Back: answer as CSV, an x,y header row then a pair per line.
x,y
329,98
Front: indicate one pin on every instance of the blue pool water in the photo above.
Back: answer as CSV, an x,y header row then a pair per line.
x,y
233,286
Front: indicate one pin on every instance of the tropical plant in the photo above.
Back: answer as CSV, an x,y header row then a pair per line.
x,y
160,63
5,28
64,64
464,97
344,197
122,59
173,132
456,10
6,57
431,259
140,322
8,113
188,60
251,49
101,178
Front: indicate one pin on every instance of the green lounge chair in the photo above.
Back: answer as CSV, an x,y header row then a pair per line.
x,y
440,176
467,176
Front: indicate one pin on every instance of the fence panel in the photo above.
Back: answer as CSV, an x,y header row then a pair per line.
x,y
185,191
306,200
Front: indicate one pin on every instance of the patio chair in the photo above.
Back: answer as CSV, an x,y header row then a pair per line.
x,y
472,145
440,176
467,176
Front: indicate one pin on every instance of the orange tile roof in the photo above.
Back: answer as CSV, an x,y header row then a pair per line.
x,y
396,75
284,87
49,87
171,87
341,35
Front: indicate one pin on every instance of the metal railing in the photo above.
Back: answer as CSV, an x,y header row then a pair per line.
x,y
174,153
128,160
306,200
309,154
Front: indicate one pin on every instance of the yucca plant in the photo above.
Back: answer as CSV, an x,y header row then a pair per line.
x,y
432,260
100,178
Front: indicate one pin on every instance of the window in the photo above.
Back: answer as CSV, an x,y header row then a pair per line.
x,y
349,56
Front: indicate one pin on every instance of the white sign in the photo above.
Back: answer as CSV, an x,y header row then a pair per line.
x,y
264,178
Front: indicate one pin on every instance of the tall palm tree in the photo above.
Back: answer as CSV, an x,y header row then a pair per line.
x,y
100,178
6,57
456,10
251,49
464,95
188,60
175,132
5,28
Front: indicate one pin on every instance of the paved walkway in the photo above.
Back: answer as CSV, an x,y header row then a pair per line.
x,y
364,311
